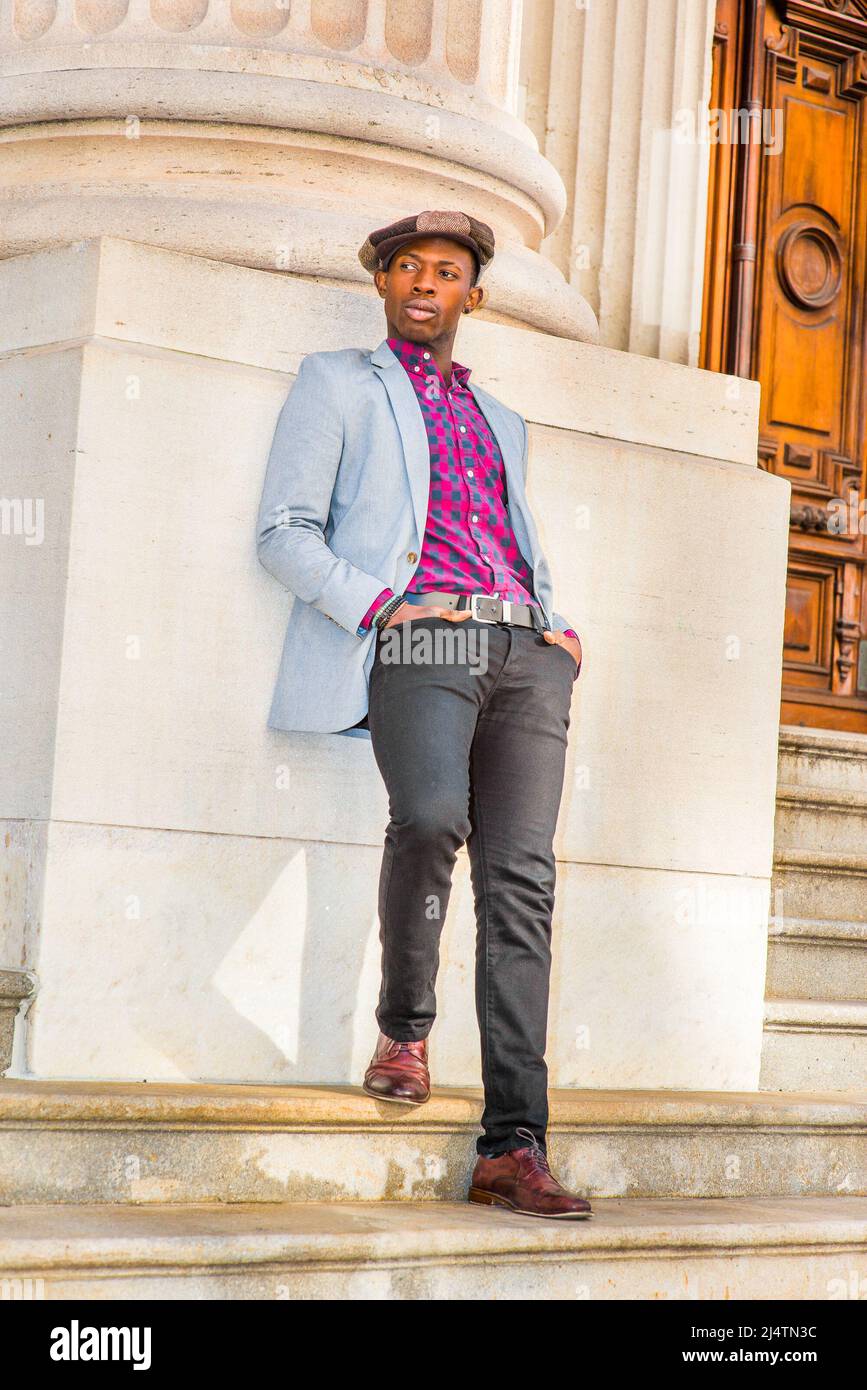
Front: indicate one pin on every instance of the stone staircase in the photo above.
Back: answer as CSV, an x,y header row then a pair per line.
x,y
816,990
112,1190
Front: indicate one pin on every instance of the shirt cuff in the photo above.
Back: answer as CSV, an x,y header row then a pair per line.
x,y
377,603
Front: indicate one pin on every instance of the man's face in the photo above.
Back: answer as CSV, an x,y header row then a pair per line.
x,y
428,284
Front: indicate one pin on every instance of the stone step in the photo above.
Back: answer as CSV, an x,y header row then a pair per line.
x,y
141,1142
828,885
824,758
810,958
812,1043
783,1248
818,820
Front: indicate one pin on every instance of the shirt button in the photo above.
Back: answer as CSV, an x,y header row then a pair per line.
x,y
469,472
425,355
416,368
412,557
475,518
463,429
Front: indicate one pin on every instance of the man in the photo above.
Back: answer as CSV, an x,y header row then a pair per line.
x,y
394,506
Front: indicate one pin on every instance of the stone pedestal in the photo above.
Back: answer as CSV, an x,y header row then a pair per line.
x,y
197,893
16,988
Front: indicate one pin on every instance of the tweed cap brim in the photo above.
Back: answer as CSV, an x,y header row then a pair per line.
x,y
381,245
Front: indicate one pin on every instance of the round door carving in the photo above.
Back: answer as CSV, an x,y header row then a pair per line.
x,y
809,265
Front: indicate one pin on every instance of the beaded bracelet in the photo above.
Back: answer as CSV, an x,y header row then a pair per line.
x,y
382,615
381,609
371,622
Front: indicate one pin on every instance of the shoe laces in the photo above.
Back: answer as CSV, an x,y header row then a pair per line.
x,y
537,1158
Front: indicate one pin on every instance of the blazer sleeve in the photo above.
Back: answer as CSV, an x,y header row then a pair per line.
x,y
296,500
561,624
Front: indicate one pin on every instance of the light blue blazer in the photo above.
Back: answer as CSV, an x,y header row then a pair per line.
x,y
343,514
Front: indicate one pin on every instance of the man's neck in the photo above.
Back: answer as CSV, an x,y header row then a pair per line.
x,y
440,350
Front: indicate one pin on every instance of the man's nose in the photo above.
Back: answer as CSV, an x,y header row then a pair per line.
x,y
423,285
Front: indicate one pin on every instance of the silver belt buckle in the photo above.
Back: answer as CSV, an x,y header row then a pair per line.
x,y
493,603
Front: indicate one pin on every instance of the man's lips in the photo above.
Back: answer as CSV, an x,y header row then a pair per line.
x,y
420,312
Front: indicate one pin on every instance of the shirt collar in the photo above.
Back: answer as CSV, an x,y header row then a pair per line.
x,y
412,355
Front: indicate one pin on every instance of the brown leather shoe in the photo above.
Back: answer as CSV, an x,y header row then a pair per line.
x,y
522,1181
398,1071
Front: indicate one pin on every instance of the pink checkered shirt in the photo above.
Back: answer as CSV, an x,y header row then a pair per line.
x,y
469,545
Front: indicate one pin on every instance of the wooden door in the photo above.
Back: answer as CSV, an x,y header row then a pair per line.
x,y
784,304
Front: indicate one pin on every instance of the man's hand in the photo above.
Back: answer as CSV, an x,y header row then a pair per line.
x,y
572,644
423,610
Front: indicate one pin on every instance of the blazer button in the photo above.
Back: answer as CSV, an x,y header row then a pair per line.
x,y
412,557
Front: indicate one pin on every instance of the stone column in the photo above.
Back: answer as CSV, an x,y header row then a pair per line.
x,y
615,94
276,135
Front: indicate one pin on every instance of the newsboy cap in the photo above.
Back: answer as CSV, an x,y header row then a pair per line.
x,y
381,245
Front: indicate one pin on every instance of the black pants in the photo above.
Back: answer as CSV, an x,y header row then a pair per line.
x,y
476,756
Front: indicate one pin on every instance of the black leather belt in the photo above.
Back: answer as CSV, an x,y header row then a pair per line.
x,y
484,607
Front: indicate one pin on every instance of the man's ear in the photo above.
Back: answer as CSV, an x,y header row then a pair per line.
x,y
379,279
480,294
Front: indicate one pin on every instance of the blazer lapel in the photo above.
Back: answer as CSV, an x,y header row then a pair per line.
x,y
410,422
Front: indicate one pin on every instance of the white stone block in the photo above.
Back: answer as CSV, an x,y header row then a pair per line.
x,y
200,901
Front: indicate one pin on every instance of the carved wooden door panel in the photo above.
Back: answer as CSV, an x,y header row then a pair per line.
x,y
784,304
